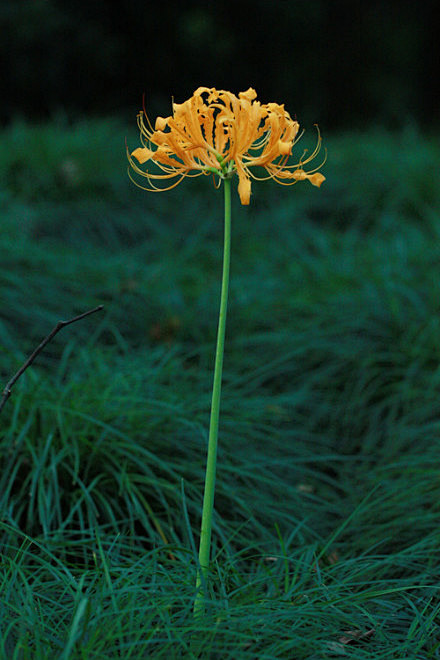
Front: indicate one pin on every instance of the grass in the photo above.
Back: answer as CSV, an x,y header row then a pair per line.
x,y
327,505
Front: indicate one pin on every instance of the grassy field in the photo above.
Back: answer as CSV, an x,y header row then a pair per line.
x,y
326,533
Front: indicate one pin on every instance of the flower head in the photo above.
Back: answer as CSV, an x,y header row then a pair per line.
x,y
216,132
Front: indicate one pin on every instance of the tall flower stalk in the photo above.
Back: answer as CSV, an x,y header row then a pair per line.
x,y
211,462
218,134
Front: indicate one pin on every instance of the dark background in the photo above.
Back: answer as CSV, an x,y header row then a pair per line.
x,y
343,64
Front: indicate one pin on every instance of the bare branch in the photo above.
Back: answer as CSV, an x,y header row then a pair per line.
x,y
61,324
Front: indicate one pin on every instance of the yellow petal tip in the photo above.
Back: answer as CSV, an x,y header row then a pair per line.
x,y
142,154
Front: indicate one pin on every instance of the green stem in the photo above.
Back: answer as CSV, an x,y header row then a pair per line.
x,y
208,498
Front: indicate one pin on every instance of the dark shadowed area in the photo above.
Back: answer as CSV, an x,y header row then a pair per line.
x,y
344,64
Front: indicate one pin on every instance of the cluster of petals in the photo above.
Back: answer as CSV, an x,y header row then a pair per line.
x,y
216,132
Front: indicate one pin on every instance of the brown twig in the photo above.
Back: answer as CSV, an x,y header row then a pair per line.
x,y
61,324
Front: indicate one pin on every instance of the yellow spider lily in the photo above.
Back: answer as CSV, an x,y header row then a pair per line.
x,y
216,132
